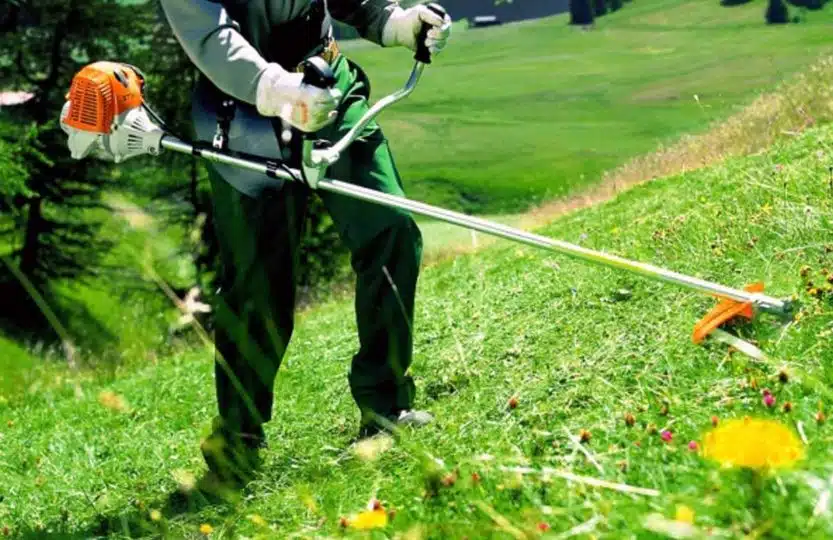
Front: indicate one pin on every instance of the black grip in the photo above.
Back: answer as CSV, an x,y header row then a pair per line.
x,y
318,73
422,53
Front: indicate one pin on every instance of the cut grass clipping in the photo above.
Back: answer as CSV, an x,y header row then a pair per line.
x,y
564,407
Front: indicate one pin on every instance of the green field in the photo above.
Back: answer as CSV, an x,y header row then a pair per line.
x,y
517,352
505,322
512,115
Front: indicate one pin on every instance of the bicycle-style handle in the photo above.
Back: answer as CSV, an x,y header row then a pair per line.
x,y
318,73
422,53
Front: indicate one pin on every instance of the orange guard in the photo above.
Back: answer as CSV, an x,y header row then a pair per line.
x,y
724,312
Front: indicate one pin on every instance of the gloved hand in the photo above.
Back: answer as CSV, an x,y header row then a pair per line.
x,y
404,25
305,107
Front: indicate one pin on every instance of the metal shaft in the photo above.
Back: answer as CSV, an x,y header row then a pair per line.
x,y
760,301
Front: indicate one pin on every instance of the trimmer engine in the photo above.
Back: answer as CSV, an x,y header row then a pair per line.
x,y
105,114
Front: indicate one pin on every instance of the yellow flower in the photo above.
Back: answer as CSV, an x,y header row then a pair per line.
x,y
370,519
753,444
684,514
206,529
257,520
155,515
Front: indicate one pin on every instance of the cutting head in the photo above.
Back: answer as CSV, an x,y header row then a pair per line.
x,y
105,115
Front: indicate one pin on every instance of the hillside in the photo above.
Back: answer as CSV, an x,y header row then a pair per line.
x,y
81,457
514,115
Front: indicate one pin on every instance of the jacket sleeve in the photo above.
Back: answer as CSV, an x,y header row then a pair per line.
x,y
366,16
213,42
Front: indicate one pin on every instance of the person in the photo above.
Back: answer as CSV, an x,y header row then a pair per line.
x,y
250,55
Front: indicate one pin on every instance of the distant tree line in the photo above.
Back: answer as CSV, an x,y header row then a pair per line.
x,y
584,12
777,11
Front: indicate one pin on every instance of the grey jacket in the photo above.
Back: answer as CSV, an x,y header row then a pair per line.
x,y
231,54
234,63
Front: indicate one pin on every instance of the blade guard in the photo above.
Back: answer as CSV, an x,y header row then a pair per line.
x,y
724,312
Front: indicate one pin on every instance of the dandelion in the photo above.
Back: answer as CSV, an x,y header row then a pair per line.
x,y
684,514
206,529
666,435
369,519
753,444
257,520
155,515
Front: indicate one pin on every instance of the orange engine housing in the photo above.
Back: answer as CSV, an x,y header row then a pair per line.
x,y
100,92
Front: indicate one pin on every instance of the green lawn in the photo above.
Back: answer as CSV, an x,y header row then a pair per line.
x,y
503,322
512,115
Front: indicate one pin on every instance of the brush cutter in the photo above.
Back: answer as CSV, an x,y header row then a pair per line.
x,y
106,117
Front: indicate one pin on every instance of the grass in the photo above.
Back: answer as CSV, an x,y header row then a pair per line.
x,y
90,456
512,116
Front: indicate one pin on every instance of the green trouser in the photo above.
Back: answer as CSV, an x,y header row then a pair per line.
x,y
259,247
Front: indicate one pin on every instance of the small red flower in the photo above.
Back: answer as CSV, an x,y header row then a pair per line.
x,y
692,445
769,400
715,421
449,480
513,402
666,435
475,478
543,526
375,504
630,420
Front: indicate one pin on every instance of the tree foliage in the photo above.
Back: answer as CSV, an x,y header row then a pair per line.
x,y
777,13
581,12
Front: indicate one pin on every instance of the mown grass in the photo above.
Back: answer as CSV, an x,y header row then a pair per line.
x,y
86,457
511,116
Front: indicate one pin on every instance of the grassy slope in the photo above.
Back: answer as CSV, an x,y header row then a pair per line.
x,y
512,115
504,322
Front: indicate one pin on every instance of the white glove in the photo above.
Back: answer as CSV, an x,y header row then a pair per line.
x,y
404,25
307,108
